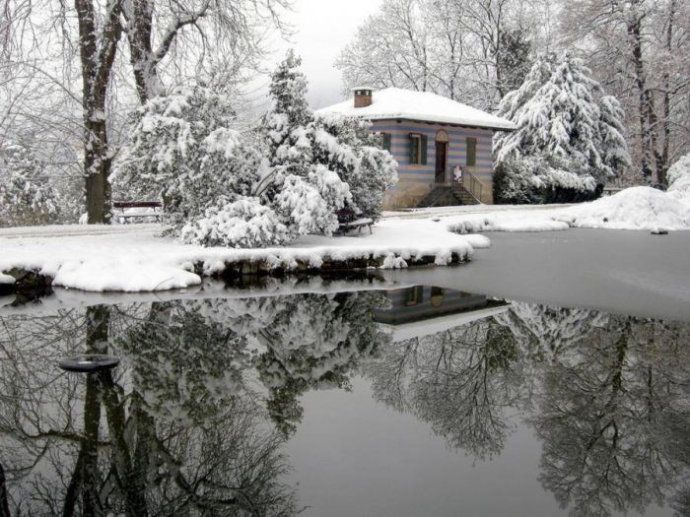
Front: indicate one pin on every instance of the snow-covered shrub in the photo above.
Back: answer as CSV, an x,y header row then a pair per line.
x,y
348,147
532,180
304,209
569,133
243,223
288,178
183,151
305,193
340,157
26,197
679,176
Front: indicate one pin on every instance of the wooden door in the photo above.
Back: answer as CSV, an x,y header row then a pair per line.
x,y
441,148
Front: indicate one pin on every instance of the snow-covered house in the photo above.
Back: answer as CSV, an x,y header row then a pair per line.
x,y
431,137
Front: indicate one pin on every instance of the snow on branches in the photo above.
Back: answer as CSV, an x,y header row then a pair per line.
x,y
679,177
181,150
287,178
25,196
569,137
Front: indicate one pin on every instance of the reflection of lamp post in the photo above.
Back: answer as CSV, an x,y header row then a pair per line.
x,y
89,363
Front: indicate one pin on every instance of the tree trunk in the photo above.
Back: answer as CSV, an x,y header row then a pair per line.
x,y
667,96
139,36
97,53
635,35
96,172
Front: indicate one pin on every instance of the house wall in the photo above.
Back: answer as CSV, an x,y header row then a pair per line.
x,y
416,181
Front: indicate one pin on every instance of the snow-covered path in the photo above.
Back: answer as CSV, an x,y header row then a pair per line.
x,y
76,230
445,211
154,228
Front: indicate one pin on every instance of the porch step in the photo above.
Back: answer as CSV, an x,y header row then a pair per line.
x,y
443,195
463,196
439,196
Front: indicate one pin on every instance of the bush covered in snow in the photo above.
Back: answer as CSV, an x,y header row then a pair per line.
x,y
183,151
289,177
338,157
631,209
679,177
347,146
26,198
531,180
243,223
569,139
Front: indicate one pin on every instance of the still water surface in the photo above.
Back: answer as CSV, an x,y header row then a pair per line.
x,y
411,400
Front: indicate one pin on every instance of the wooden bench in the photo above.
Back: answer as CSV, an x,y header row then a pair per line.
x,y
357,224
125,218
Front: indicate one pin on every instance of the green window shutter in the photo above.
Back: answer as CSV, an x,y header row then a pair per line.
x,y
387,142
471,151
425,142
412,144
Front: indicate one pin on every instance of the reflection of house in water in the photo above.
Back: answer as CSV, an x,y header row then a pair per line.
x,y
423,310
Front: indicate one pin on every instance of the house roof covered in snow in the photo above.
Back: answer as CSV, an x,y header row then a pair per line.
x,y
396,103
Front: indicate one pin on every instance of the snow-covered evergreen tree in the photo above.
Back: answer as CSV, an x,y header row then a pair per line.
x,y
348,147
223,188
304,193
183,151
25,196
612,147
319,166
567,131
512,59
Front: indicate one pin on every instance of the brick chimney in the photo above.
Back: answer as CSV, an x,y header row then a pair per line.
x,y
362,97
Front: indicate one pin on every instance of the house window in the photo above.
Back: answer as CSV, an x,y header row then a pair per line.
x,y
414,295
437,296
386,137
418,145
471,154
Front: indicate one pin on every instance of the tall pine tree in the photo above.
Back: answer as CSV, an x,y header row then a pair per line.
x,y
569,139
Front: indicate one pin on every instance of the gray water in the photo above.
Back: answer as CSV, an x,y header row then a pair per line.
x,y
524,383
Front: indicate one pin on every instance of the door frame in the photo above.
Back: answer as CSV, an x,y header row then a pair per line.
x,y
441,169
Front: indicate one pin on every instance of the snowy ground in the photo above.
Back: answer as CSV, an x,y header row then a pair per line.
x,y
636,208
442,211
134,258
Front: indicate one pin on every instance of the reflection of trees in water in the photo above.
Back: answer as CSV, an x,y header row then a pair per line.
x,y
614,417
183,425
459,381
608,396
315,344
148,461
194,419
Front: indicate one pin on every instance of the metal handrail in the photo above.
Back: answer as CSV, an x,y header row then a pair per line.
x,y
476,187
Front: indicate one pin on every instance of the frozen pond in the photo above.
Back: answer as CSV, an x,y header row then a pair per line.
x,y
535,381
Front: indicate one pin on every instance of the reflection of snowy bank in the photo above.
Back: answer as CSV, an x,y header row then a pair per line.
x,y
136,259
251,287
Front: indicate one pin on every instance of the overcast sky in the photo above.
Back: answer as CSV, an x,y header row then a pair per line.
x,y
321,29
